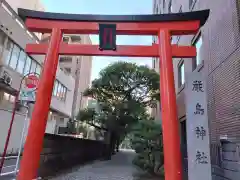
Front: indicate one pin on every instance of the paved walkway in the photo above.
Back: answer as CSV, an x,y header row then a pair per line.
x,y
118,168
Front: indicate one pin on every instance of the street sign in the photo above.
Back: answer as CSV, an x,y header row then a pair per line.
x,y
28,88
198,146
107,37
31,81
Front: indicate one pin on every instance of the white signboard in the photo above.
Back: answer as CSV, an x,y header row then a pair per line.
x,y
28,88
199,164
27,95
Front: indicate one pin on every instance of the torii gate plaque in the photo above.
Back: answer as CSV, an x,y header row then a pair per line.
x,y
163,26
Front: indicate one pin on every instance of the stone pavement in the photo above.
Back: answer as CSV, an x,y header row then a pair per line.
x,y
118,168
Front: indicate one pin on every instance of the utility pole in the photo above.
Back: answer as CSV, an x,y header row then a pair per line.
x,y
80,105
77,78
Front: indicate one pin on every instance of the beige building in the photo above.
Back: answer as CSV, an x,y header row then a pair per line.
x,y
218,52
79,67
15,63
27,4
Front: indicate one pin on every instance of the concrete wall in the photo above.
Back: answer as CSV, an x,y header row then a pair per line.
x,y
53,123
62,152
16,131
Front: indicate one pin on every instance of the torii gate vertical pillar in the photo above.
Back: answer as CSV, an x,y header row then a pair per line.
x,y
34,141
171,138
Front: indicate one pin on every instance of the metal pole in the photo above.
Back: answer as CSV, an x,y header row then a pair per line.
x,y
34,142
76,87
22,138
171,136
11,122
80,107
9,133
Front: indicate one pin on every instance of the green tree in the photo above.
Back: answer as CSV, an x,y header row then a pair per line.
x,y
123,91
146,140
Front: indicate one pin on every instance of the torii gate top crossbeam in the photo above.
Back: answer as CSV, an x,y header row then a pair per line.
x,y
176,23
201,16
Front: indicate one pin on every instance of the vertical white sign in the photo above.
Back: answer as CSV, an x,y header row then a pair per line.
x,y
199,164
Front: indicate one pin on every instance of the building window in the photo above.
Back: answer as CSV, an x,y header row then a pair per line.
x,y
21,62
17,59
59,90
154,62
6,96
155,39
7,52
61,96
68,70
55,88
14,57
65,93
9,97
170,8
66,39
67,59
27,65
178,39
191,3
180,10
164,4
158,10
181,74
2,40
33,67
198,44
38,69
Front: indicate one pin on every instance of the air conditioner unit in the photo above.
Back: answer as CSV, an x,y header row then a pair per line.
x,y
6,78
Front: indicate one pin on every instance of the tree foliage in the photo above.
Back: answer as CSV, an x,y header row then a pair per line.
x,y
123,91
146,140
123,81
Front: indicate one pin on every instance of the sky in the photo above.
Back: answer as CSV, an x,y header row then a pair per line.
x,y
114,7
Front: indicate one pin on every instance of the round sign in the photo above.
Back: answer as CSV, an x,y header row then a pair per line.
x,y
31,81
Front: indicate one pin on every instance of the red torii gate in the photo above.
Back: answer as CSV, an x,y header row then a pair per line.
x,y
163,26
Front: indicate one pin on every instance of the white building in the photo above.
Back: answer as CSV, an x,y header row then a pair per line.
x,y
14,63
